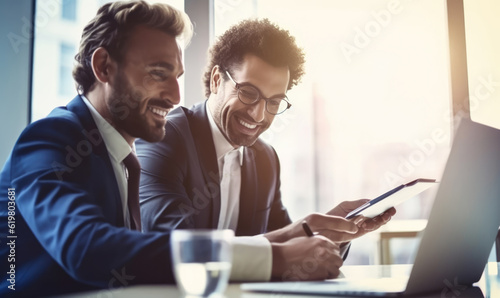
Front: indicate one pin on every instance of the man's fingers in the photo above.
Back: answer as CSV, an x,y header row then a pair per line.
x,y
306,258
320,222
351,205
338,236
330,253
358,220
345,207
378,221
390,212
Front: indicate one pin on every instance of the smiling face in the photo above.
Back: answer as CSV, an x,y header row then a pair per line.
x,y
144,85
240,123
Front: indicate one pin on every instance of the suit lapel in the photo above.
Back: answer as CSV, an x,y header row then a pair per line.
x,y
202,136
78,107
248,195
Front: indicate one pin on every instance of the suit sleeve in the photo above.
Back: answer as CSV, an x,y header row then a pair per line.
x,y
165,202
58,197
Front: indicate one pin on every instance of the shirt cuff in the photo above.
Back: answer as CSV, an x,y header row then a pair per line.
x,y
252,259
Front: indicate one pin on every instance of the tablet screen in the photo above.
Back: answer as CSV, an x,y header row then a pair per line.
x,y
392,198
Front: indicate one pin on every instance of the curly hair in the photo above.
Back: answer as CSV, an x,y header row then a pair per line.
x,y
261,38
111,27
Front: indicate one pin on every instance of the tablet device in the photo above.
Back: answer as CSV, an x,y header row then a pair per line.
x,y
392,198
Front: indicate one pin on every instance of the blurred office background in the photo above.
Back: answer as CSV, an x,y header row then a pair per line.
x,y
373,111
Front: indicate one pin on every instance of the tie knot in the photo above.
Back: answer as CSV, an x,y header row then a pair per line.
x,y
132,164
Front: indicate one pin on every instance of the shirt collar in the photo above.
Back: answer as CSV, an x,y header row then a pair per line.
x,y
117,146
222,146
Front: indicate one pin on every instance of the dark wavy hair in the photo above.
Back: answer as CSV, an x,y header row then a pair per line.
x,y
261,38
111,27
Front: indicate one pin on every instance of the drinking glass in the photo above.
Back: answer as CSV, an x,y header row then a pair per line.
x,y
202,261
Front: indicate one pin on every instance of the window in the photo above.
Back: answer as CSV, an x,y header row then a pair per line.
x,y
55,44
372,111
68,10
481,27
66,83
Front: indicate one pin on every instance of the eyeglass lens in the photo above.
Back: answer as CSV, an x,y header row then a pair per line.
x,y
250,95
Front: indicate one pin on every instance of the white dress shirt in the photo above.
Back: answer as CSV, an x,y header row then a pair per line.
x,y
230,177
118,149
230,185
252,256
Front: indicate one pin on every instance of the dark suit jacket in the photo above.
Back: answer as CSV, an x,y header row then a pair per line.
x,y
180,185
68,214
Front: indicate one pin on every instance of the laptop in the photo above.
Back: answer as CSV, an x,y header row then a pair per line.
x,y
460,232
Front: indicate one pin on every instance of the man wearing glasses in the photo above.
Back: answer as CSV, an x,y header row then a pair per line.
x,y
211,171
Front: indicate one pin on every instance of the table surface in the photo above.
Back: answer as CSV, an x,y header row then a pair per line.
x,y
488,286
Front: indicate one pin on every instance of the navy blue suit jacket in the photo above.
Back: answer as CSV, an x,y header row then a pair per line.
x,y
180,185
68,214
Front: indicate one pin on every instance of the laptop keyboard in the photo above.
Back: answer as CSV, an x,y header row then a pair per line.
x,y
348,287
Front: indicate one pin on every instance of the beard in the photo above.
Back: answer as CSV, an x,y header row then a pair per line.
x,y
236,137
125,109
225,119
239,139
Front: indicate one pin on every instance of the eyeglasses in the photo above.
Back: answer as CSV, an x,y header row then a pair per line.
x,y
250,95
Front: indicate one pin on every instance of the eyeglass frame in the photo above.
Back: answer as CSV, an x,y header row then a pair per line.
x,y
238,85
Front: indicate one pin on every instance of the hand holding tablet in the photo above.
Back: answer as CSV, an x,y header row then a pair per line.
x,y
392,198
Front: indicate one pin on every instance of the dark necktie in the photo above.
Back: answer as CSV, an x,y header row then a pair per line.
x,y
134,171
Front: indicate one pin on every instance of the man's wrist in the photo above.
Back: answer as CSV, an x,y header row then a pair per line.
x,y
278,261
277,236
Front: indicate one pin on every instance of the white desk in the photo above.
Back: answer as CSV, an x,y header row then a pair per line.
x,y
488,286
